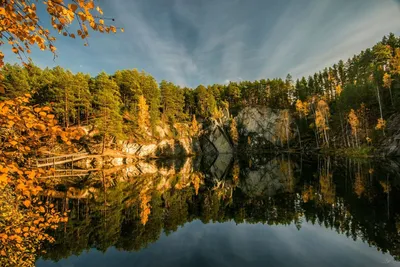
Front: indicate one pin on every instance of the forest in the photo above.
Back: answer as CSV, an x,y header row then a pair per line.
x,y
344,105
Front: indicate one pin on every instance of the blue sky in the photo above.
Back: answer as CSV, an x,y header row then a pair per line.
x,y
191,42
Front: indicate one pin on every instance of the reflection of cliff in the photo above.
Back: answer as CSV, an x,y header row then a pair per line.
x,y
268,179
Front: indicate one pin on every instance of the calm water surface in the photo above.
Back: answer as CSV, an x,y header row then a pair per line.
x,y
253,211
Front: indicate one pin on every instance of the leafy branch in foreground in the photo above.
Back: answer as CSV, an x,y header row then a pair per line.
x,y
24,218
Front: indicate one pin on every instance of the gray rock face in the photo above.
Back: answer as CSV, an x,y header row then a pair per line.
x,y
220,141
265,126
390,146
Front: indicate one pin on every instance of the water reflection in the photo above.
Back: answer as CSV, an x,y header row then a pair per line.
x,y
216,206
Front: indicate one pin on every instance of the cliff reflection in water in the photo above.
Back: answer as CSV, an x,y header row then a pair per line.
x,y
129,208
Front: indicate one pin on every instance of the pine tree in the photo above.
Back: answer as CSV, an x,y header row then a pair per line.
x,y
107,102
172,102
15,81
82,96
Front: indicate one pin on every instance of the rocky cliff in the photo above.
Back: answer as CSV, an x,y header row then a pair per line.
x,y
263,128
260,129
390,145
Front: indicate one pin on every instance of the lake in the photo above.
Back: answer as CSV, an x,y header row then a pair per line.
x,y
257,210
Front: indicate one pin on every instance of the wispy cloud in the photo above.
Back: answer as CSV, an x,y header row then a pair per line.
x,y
193,42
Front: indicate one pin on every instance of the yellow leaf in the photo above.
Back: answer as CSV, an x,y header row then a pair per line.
x,y
13,143
122,30
99,10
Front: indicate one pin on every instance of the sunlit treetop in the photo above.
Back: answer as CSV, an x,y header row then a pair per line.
x,y
21,27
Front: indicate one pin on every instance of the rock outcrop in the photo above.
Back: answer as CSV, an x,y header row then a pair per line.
x,y
165,148
260,129
265,128
390,146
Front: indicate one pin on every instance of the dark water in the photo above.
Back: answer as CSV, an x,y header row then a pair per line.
x,y
253,211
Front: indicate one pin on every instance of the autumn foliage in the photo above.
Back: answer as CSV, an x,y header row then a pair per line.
x,y
21,27
25,131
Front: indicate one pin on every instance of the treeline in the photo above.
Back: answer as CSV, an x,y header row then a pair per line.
x,y
346,104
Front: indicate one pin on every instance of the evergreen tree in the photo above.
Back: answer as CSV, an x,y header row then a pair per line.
x,y
172,102
15,81
152,95
206,104
107,108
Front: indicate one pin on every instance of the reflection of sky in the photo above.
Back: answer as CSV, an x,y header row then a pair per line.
x,y
228,244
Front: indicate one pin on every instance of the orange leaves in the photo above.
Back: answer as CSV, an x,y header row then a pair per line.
x,y
21,22
13,143
27,203
31,174
52,48
24,228
353,121
145,206
381,125
302,108
387,80
90,4
338,90
73,7
82,16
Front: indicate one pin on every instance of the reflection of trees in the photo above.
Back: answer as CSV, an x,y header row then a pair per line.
x,y
328,189
327,196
